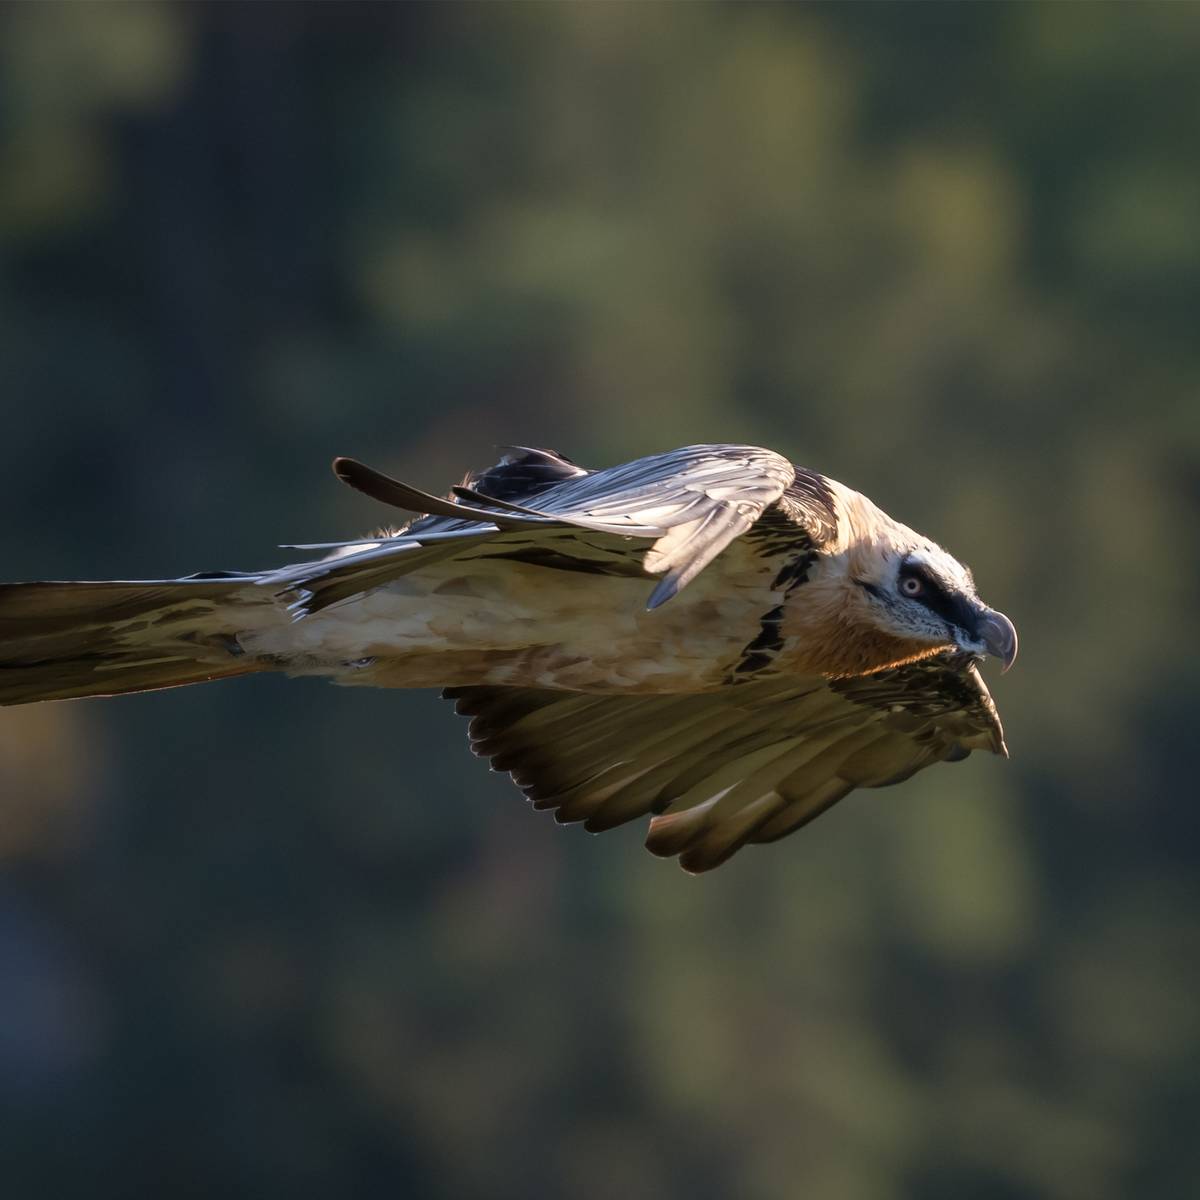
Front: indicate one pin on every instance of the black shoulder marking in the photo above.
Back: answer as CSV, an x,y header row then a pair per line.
x,y
795,571
761,650
777,535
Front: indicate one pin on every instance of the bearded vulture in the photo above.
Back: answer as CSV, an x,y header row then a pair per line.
x,y
711,637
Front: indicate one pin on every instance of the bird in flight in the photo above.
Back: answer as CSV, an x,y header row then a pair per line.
x,y
712,637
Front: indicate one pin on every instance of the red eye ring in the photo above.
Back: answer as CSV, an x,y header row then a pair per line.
x,y
911,586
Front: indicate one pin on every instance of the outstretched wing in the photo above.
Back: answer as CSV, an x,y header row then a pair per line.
x,y
688,504
747,763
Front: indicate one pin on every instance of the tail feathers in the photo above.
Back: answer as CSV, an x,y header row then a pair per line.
x,y
60,641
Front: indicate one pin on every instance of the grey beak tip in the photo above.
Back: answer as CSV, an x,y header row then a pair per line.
x,y
1000,638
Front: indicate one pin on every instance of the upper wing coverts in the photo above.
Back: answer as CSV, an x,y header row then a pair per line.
x,y
691,503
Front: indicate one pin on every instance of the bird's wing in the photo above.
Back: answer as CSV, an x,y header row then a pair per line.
x,y
523,472
747,763
689,504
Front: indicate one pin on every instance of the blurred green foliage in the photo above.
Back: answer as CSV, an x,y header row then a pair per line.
x,y
272,939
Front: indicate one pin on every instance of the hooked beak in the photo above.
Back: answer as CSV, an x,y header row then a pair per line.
x,y
999,635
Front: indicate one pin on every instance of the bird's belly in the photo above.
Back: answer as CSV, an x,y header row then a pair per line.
x,y
532,626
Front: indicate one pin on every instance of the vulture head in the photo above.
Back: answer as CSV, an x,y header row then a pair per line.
x,y
920,593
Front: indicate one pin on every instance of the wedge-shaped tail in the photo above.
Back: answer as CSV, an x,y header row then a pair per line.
x,y
60,641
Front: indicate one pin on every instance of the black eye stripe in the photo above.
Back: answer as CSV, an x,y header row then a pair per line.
x,y
948,605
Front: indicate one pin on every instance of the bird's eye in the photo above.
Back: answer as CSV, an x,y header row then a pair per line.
x,y
910,585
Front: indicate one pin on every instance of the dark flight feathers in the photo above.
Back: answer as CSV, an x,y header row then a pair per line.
x,y
719,769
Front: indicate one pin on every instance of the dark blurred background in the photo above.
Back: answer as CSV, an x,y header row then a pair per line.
x,y
270,938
